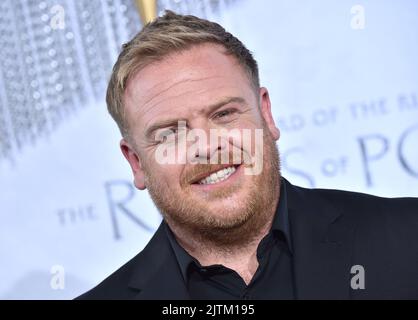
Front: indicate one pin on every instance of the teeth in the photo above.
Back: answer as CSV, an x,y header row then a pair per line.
x,y
218,176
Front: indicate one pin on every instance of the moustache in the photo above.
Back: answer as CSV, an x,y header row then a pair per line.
x,y
198,171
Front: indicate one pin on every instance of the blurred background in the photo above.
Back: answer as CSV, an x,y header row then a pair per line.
x,y
343,79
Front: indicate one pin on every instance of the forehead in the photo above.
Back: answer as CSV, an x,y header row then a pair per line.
x,y
183,83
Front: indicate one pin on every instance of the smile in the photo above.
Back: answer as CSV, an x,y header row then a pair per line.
x,y
218,176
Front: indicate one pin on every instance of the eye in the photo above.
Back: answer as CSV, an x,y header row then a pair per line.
x,y
171,134
224,113
166,135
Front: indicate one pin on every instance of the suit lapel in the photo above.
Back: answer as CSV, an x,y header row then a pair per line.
x,y
321,236
157,275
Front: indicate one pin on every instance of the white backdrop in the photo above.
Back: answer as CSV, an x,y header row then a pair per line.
x,y
344,94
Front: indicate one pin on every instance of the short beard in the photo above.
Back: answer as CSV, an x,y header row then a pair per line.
x,y
190,219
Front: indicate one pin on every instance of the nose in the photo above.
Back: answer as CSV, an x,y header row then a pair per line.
x,y
209,145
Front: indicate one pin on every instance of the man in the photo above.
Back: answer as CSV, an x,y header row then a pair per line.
x,y
231,230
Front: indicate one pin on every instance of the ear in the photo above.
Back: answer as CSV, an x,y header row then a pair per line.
x,y
135,163
265,107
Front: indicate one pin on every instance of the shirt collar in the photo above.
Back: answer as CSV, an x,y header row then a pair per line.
x,y
184,259
280,225
281,219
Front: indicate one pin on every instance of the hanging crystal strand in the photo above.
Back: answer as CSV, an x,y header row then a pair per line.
x,y
8,84
132,20
73,36
201,8
70,70
46,74
21,67
91,28
124,23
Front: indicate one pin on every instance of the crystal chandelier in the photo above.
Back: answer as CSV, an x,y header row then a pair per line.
x,y
56,57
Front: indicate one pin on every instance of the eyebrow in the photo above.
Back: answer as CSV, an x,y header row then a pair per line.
x,y
174,122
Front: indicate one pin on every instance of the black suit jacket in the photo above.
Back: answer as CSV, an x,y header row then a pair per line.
x,y
331,232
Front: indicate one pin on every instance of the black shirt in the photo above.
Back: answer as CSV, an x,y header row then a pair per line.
x,y
272,280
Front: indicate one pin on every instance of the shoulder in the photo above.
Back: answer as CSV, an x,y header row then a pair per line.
x,y
364,211
384,227
121,284
114,286
369,215
359,205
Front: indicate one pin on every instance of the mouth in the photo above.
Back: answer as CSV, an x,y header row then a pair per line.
x,y
216,177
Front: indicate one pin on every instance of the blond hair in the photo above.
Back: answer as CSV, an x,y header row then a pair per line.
x,y
168,34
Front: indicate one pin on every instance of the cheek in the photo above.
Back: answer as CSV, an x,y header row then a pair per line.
x,y
246,136
250,123
166,174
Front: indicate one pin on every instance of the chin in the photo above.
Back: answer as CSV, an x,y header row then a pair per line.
x,y
227,209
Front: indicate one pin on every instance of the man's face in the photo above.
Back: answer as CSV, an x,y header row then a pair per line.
x,y
204,89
